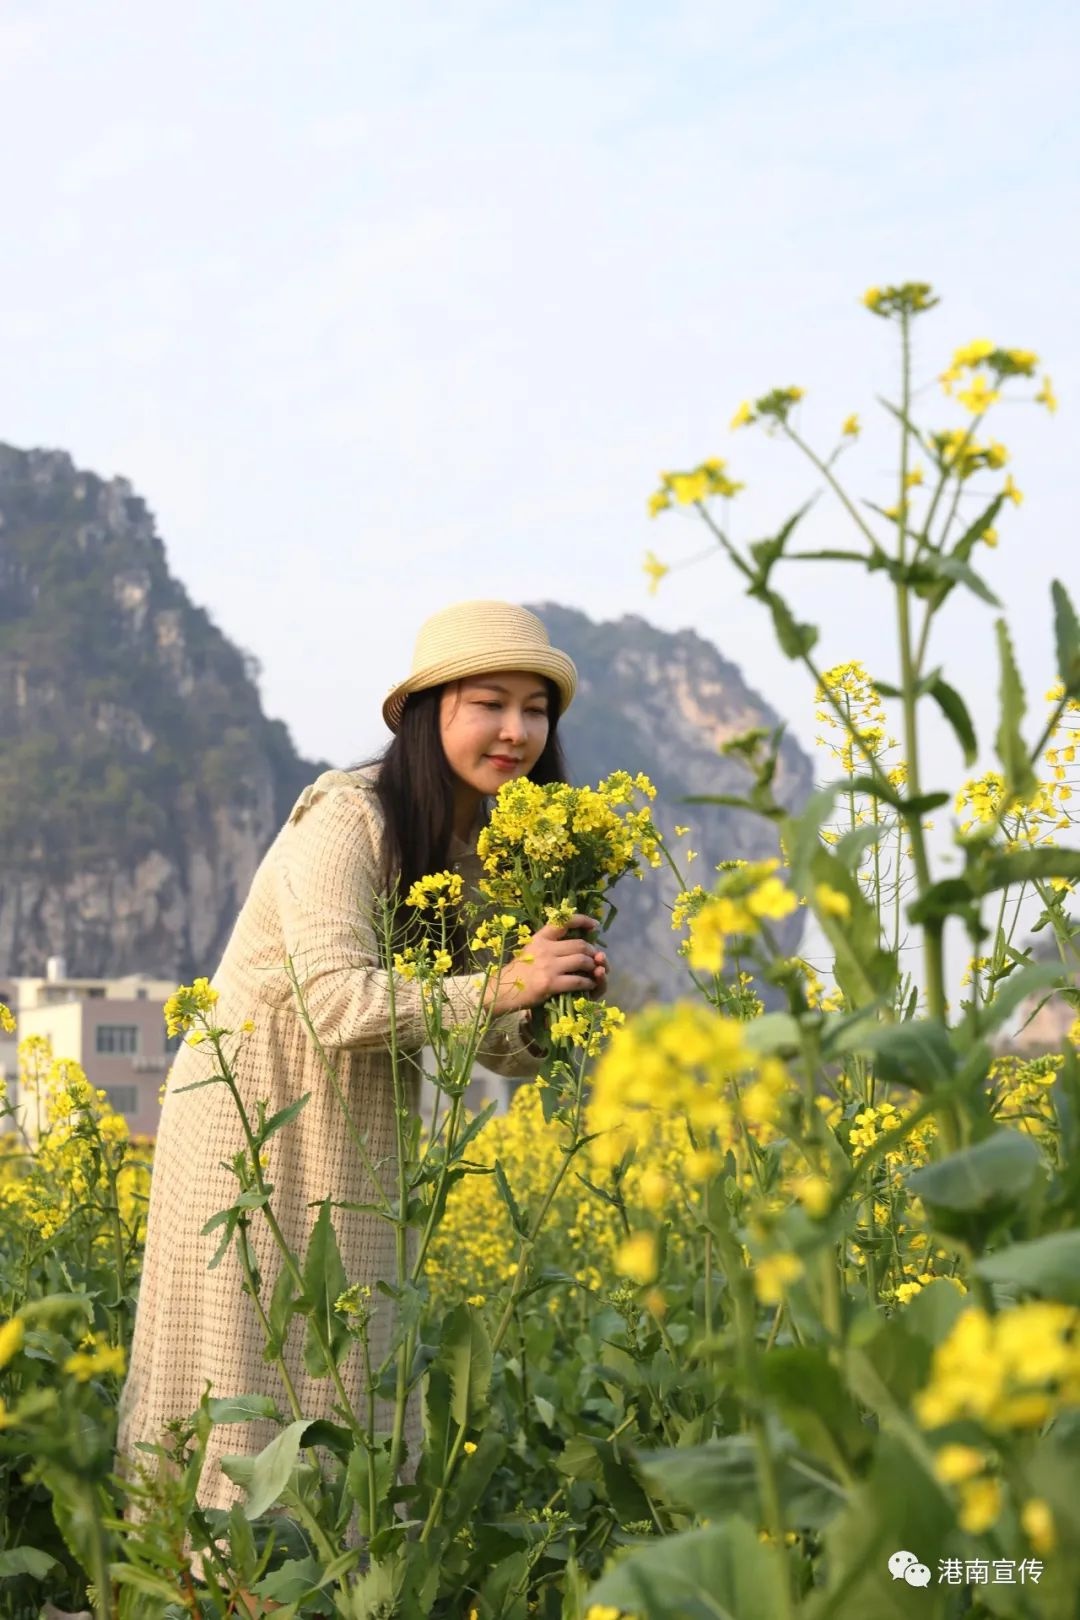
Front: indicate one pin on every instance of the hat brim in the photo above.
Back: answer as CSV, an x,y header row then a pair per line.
x,y
547,661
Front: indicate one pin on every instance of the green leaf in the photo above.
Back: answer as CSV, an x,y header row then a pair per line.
x,y
864,969
1010,993
815,1404
934,1309
272,1469
772,1032
465,1352
854,844
795,639
916,1053
324,1280
26,1561
241,1408
998,1169
1048,1266
723,1569
283,1306
517,1219
1020,778
955,711
959,572
720,1478
282,1117
1067,637
767,552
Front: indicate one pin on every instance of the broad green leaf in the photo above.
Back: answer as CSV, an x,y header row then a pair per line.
x,y
472,1479
772,1032
324,1280
954,709
1067,637
466,1354
815,1404
1020,778
241,1408
25,1561
721,1477
272,1469
897,1506
1028,866
916,1053
1048,1266
934,1309
999,1168
724,1568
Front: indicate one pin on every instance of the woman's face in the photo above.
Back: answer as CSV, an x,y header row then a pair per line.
x,y
494,727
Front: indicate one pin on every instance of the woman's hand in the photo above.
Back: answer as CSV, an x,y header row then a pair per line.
x,y
548,964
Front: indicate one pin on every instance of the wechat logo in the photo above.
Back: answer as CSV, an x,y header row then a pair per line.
x,y
905,1566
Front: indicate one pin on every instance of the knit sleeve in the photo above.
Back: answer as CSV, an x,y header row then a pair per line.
x,y
325,878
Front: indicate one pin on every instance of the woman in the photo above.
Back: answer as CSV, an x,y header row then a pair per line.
x,y
481,707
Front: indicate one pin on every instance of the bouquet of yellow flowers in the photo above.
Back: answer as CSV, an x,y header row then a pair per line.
x,y
552,851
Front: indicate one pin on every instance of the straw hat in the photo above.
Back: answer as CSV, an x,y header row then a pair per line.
x,y
478,638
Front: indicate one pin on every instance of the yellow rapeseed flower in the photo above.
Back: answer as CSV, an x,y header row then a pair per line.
x,y
1011,492
1046,396
187,1003
774,1275
1037,1519
638,1258
832,902
851,427
955,1463
655,570
11,1339
980,1505
743,416
659,501
7,1020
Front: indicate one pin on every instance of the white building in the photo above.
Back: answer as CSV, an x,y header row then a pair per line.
x,y
113,1028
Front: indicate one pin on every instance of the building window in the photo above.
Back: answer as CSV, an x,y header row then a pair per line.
x,y
122,1099
173,1043
96,992
119,1039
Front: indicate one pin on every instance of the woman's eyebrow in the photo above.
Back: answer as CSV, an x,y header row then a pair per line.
x,y
495,686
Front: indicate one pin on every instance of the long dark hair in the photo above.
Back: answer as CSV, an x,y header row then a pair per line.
x,y
415,787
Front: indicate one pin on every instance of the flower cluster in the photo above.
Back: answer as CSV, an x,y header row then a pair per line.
x,y
693,487
688,1062
188,1003
94,1358
1012,1371
910,298
556,846
438,891
774,407
748,894
586,1024
982,366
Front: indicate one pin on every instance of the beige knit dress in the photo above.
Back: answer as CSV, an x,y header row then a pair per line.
x,y
310,900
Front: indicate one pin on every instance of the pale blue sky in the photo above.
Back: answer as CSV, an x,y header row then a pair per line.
x,y
381,307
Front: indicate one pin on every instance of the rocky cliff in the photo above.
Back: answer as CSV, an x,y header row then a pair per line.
x,y
140,781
